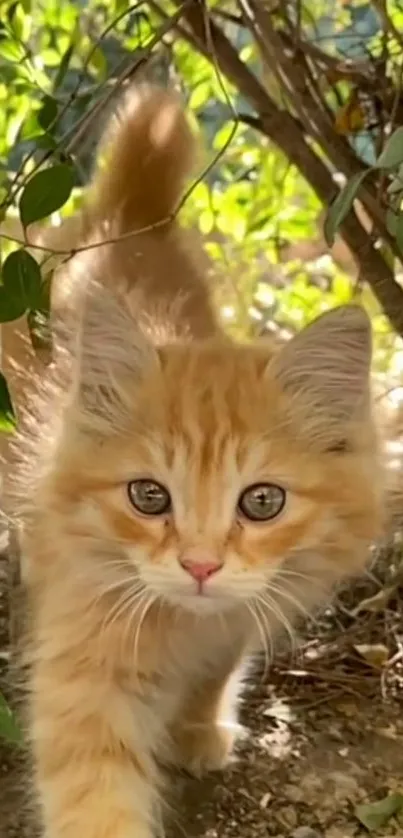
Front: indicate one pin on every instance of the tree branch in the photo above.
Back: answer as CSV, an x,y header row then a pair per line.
x,y
288,134
315,119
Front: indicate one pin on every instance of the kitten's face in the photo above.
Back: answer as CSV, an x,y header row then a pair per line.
x,y
223,487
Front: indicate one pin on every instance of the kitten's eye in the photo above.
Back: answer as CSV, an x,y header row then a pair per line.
x,y
149,497
262,501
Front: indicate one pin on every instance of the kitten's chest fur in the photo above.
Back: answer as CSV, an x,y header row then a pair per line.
x,y
176,658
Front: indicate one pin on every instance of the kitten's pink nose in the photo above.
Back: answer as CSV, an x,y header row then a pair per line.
x,y
200,564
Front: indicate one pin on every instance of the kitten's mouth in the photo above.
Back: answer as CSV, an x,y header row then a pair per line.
x,y
202,590
197,591
202,595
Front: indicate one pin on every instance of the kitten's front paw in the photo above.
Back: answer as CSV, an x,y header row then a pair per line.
x,y
207,747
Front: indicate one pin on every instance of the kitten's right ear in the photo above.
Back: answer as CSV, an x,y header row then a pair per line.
x,y
325,370
112,354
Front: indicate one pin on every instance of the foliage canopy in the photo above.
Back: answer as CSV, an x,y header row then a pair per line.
x,y
293,101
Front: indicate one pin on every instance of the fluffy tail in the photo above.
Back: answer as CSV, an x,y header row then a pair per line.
x,y
146,154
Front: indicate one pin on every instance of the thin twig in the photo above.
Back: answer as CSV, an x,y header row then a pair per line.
x,y
83,124
67,104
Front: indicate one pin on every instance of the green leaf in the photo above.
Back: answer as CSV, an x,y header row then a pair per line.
x,y
7,422
50,57
98,63
11,51
342,288
223,136
391,221
206,222
21,283
392,154
45,141
48,113
375,815
396,184
341,206
200,96
11,308
9,728
46,192
399,232
21,23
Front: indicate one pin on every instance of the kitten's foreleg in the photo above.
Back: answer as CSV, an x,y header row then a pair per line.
x,y
94,771
207,728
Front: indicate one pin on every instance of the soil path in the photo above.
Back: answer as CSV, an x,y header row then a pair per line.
x,y
318,744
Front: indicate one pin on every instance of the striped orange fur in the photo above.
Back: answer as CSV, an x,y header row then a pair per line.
x,y
132,659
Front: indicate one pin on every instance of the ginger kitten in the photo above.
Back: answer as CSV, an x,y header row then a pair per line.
x,y
181,497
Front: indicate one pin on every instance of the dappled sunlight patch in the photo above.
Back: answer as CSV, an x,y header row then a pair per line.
x,y
279,741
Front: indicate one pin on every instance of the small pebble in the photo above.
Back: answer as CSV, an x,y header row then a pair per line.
x,y
265,800
288,816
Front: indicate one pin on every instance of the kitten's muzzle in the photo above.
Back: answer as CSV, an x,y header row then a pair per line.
x,y
200,564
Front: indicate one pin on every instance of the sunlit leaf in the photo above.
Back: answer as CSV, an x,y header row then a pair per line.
x,y
223,136
98,62
46,192
206,222
11,51
341,206
375,815
21,22
342,288
200,96
50,57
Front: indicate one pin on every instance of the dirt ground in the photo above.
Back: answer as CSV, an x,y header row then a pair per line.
x,y
324,732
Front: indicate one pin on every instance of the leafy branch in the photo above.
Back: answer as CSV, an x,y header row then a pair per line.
x,y
305,113
289,133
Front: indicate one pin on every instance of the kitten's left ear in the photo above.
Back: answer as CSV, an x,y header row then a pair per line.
x,y
112,354
327,365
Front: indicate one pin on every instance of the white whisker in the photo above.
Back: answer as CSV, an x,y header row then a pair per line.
x,y
268,602
124,602
287,595
132,616
143,615
269,651
305,577
264,635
